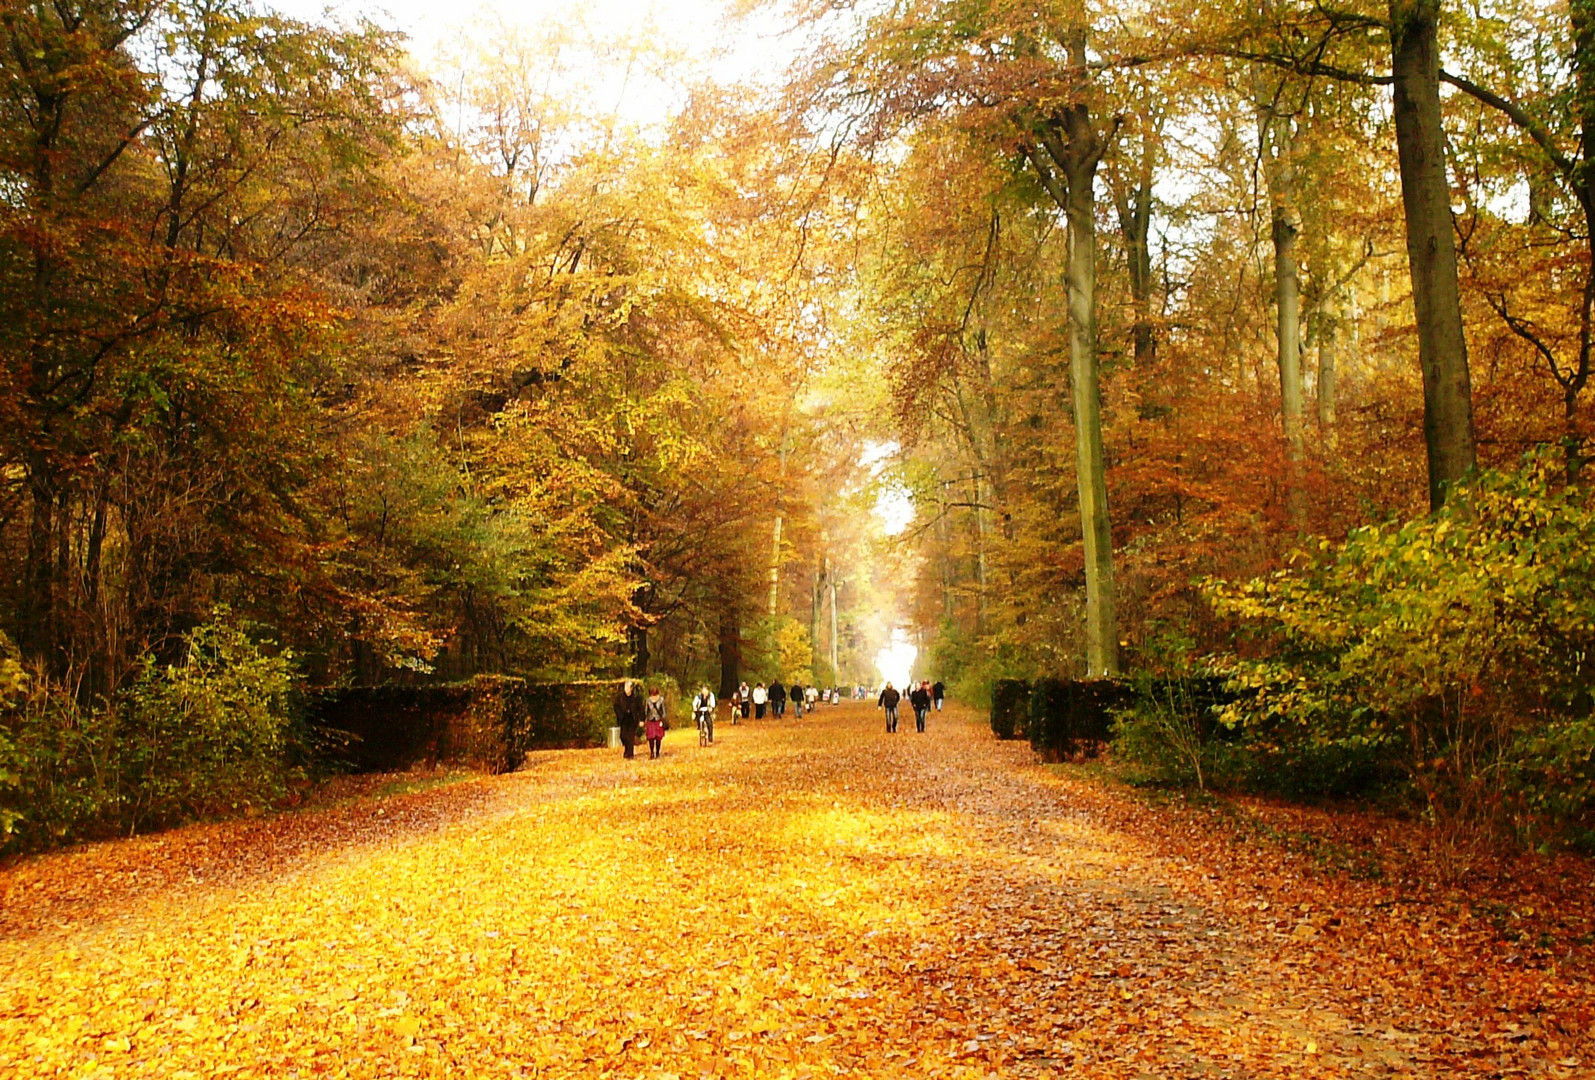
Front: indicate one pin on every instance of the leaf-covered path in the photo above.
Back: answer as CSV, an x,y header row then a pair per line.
x,y
805,898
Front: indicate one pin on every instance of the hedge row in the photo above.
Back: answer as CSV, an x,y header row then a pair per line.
x,y
489,722
1064,717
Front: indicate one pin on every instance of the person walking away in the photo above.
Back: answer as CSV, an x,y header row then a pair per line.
x,y
938,693
777,700
919,698
761,697
812,695
797,699
703,714
654,723
888,701
744,700
629,715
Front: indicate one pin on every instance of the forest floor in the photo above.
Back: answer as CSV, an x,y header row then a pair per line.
x,y
803,899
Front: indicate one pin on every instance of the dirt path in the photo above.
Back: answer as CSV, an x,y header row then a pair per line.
x,y
807,898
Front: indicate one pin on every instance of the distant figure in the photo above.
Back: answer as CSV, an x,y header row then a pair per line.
x,y
919,698
703,714
629,715
938,693
777,700
888,701
813,696
761,697
654,723
744,701
797,699
735,701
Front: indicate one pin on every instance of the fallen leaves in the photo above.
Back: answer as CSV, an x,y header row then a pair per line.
x,y
798,900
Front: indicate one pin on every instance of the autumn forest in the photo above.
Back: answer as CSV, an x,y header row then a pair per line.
x,y
1200,392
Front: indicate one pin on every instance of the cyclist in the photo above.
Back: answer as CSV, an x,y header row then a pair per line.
x,y
703,713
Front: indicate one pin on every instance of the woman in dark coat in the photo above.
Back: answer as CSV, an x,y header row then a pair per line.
x,y
630,710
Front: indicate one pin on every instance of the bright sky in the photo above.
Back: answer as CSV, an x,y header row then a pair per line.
x,y
896,661
714,45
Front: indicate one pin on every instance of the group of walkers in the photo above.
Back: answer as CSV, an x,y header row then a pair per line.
x,y
646,714
923,698
774,699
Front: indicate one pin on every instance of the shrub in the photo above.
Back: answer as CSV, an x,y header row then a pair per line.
x,y
1167,732
1068,716
488,722
1448,644
1552,779
206,736
1010,708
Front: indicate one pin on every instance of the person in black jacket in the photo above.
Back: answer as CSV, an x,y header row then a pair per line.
x,y
938,693
630,711
888,701
919,698
777,700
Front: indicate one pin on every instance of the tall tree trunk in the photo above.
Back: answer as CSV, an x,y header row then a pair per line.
x,y
1431,245
1101,629
1132,199
835,670
730,648
1075,149
1583,19
1328,360
816,609
637,642
1285,230
38,614
774,605
982,534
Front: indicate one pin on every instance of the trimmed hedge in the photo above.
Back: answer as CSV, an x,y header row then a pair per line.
x,y
489,722
1071,715
1010,708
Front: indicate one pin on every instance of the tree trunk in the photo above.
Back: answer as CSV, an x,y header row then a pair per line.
x,y
774,605
835,670
1286,230
1101,630
730,649
1431,245
775,565
637,642
1072,144
38,615
1133,204
1328,358
816,609
982,526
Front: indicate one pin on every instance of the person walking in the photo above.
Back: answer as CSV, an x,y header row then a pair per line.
x,y
888,701
744,701
630,712
654,723
812,694
938,693
797,699
777,700
761,697
703,714
919,698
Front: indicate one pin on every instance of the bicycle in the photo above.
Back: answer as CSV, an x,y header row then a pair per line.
x,y
705,718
